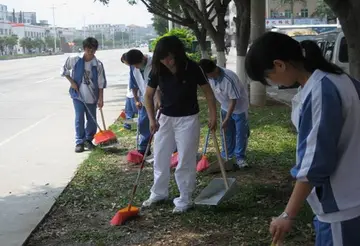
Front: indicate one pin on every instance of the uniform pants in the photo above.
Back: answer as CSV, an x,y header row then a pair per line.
x,y
144,129
237,133
343,233
130,110
82,132
183,133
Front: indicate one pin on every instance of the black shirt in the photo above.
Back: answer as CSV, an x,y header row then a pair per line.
x,y
179,91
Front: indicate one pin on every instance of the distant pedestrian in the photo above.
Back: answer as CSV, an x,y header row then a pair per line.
x,y
232,95
327,120
87,82
130,104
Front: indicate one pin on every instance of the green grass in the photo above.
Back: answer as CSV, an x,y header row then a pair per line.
x,y
101,186
20,56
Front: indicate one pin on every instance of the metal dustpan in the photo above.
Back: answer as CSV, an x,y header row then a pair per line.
x,y
219,189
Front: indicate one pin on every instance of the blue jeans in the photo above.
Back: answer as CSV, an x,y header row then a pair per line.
x,y
130,110
144,129
237,133
82,132
343,233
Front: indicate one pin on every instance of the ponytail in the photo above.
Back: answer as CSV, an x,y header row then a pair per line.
x,y
314,59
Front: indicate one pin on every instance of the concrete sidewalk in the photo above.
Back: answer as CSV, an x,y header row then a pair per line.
x,y
284,96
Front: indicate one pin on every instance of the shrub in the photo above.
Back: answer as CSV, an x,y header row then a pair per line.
x,y
183,34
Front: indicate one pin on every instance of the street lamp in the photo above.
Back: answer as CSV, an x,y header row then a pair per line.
x,y
84,30
53,12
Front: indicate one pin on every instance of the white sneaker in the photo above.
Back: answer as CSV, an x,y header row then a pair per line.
x,y
180,210
152,201
242,164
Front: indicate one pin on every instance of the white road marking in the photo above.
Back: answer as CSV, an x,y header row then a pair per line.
x,y
44,80
26,129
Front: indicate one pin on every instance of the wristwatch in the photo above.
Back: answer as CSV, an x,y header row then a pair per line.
x,y
285,216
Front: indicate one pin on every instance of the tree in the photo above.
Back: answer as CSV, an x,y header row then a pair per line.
x,y
11,41
21,18
78,41
242,23
257,90
13,16
347,12
324,11
27,44
39,44
2,45
160,24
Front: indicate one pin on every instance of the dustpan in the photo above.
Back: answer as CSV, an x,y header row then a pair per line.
x,y
134,156
219,189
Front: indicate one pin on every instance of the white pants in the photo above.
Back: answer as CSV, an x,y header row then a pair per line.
x,y
183,133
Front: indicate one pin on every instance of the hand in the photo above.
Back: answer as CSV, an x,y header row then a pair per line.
x,y
138,105
212,123
278,228
100,103
224,123
74,86
154,126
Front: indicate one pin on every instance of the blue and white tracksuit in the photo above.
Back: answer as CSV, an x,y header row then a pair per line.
x,y
130,106
139,81
226,88
326,113
89,77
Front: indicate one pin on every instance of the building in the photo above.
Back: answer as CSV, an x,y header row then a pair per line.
x,y
3,12
5,28
27,31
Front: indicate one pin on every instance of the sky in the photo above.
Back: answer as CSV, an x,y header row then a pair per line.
x,y
73,13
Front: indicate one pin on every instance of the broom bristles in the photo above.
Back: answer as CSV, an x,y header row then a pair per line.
x,y
105,138
203,164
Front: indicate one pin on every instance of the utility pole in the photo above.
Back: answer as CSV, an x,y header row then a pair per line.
x,y
102,38
113,30
122,39
55,36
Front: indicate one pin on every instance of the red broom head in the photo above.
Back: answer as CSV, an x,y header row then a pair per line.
x,y
123,215
123,115
135,157
203,164
174,160
104,136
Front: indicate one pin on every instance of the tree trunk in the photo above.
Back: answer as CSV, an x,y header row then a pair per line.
x,y
201,38
347,12
242,22
257,90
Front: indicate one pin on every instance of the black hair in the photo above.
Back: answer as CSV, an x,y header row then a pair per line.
x,y
123,57
207,65
277,46
90,43
134,56
165,46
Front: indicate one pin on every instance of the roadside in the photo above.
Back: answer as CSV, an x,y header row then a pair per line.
x,y
13,57
82,213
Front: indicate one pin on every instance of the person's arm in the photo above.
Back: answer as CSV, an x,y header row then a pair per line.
x,y
157,99
66,71
319,133
149,103
102,84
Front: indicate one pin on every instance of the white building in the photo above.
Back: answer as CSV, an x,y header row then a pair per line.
x,y
29,31
5,28
3,12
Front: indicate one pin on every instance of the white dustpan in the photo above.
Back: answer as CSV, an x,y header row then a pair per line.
x,y
219,189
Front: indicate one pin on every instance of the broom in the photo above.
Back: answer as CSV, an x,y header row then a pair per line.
x,y
134,156
103,138
203,164
130,211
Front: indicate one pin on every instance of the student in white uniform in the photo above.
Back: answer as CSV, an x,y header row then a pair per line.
x,y
327,119
178,78
141,69
87,79
232,95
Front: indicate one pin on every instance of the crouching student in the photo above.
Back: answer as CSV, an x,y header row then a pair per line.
x,y
87,80
130,105
233,98
327,120
142,68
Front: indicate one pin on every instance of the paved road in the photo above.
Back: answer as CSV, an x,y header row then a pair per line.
x,y
37,156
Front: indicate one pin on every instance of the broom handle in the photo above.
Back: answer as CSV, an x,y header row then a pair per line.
x,y
91,115
206,142
102,118
223,172
224,137
142,165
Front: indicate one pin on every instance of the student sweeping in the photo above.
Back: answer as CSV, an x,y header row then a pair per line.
x,y
139,81
87,80
233,98
327,120
130,105
178,78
